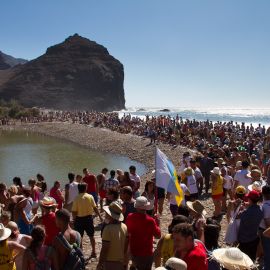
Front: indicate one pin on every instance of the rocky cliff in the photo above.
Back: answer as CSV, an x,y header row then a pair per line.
x,y
7,61
77,74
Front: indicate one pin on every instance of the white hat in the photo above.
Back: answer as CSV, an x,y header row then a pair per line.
x,y
142,203
216,170
197,207
115,211
255,186
4,232
232,258
176,264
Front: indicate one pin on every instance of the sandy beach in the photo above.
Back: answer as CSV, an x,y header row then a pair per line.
x,y
135,147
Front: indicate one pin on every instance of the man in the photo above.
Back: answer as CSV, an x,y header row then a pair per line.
x,y
137,180
62,223
250,220
141,229
83,208
101,178
111,182
265,224
128,201
186,248
114,239
242,177
92,185
71,191
198,175
21,239
206,165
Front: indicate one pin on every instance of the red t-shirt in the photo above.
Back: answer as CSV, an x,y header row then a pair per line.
x,y
90,180
141,229
196,258
52,231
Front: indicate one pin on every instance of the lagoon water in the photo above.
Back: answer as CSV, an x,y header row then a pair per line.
x,y
25,154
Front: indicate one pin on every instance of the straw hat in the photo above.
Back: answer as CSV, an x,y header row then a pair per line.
x,y
114,210
216,171
197,207
241,190
232,258
142,203
4,232
48,202
174,264
255,186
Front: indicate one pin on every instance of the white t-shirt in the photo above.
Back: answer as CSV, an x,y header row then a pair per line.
x,y
73,192
172,197
266,213
135,177
192,184
227,181
241,177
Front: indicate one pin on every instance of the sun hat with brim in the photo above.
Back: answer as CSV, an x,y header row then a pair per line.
x,y
216,171
232,258
175,264
255,186
4,232
197,207
114,210
48,202
142,203
241,190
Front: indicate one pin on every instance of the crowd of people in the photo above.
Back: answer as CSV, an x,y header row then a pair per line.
x,y
230,170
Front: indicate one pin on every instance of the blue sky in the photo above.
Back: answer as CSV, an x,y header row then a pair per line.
x,y
176,53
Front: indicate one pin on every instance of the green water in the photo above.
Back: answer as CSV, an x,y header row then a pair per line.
x,y
25,154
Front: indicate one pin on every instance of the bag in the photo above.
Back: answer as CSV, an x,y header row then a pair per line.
x,y
44,263
75,259
231,235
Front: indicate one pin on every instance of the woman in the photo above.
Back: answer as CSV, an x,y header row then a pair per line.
x,y
56,193
127,181
34,194
18,183
38,255
149,193
217,191
8,249
23,209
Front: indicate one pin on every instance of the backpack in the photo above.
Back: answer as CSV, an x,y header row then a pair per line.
x,y
75,259
44,263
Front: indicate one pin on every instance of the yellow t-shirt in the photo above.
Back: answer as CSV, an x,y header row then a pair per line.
x,y
116,234
167,249
6,257
217,189
84,205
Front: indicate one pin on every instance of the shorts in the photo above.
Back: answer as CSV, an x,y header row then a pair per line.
x,y
102,194
217,196
160,193
84,224
95,196
142,262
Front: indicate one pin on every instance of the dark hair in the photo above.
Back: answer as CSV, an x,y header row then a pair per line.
x,y
132,168
104,170
85,169
3,186
183,211
82,187
64,215
178,219
71,177
245,164
17,181
56,183
184,229
40,177
43,186
127,191
147,185
112,173
266,191
211,235
114,192
38,235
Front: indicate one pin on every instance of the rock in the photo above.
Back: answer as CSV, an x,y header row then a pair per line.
x,y
164,110
77,74
7,61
